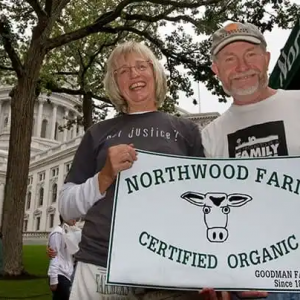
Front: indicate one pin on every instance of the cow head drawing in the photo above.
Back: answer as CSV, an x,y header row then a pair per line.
x,y
216,208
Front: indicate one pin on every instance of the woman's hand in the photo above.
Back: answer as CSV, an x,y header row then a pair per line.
x,y
119,158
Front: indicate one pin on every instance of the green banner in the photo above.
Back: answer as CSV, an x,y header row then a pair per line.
x,y
286,72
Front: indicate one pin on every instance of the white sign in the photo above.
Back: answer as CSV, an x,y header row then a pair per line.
x,y
188,223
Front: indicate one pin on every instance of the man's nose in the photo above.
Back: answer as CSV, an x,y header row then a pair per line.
x,y
242,65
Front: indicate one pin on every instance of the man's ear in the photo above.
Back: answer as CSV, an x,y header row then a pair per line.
x,y
214,68
268,58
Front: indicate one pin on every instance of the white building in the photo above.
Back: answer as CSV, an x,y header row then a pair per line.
x,y
52,152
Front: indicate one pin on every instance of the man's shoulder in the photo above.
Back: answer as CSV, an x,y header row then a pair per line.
x,y
291,94
217,123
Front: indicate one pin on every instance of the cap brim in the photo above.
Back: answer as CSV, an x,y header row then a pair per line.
x,y
246,38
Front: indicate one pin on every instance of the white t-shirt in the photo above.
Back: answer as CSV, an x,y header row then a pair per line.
x,y
267,128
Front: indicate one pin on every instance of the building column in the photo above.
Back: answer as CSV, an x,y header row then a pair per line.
x,y
2,119
53,122
65,129
1,201
9,116
39,119
74,133
81,130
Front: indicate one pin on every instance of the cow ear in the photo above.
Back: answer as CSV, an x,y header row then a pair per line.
x,y
236,200
194,198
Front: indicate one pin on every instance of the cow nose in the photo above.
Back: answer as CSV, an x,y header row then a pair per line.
x,y
217,234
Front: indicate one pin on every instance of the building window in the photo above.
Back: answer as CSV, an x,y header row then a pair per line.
x,y
38,223
28,200
25,225
41,196
29,180
33,123
51,220
54,192
42,176
44,128
68,167
54,171
56,131
5,122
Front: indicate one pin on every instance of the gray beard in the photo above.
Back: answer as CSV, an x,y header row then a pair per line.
x,y
263,83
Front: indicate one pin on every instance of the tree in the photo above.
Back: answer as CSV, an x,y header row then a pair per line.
x,y
90,59
32,30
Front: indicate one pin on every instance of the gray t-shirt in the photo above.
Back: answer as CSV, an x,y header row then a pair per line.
x,y
153,131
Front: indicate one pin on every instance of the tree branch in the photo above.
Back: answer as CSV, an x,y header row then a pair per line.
x,y
66,73
48,7
182,57
6,68
37,8
103,99
108,17
90,29
179,56
102,106
104,45
56,89
163,16
6,36
184,4
150,19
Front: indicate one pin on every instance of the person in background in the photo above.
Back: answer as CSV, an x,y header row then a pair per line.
x,y
61,266
72,238
258,113
136,84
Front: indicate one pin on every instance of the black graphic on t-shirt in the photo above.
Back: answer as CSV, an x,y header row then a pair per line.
x,y
266,139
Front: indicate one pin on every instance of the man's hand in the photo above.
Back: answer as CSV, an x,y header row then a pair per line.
x,y
252,294
53,287
211,294
50,252
119,158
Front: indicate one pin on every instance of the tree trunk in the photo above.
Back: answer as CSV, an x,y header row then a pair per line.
x,y
87,109
22,110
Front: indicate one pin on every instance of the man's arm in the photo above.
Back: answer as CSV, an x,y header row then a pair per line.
x,y
55,241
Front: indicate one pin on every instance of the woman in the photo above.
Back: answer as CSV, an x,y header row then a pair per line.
x,y
136,84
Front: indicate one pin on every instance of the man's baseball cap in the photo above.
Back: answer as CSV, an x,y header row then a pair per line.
x,y
236,32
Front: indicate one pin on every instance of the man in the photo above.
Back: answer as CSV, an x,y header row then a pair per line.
x,y
62,264
261,121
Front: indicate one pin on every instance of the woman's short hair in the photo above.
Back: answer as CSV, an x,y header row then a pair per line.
x,y
110,84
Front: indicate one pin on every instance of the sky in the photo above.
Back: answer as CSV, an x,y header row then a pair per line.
x,y
208,102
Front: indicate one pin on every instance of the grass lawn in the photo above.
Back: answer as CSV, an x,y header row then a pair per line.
x,y
36,263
